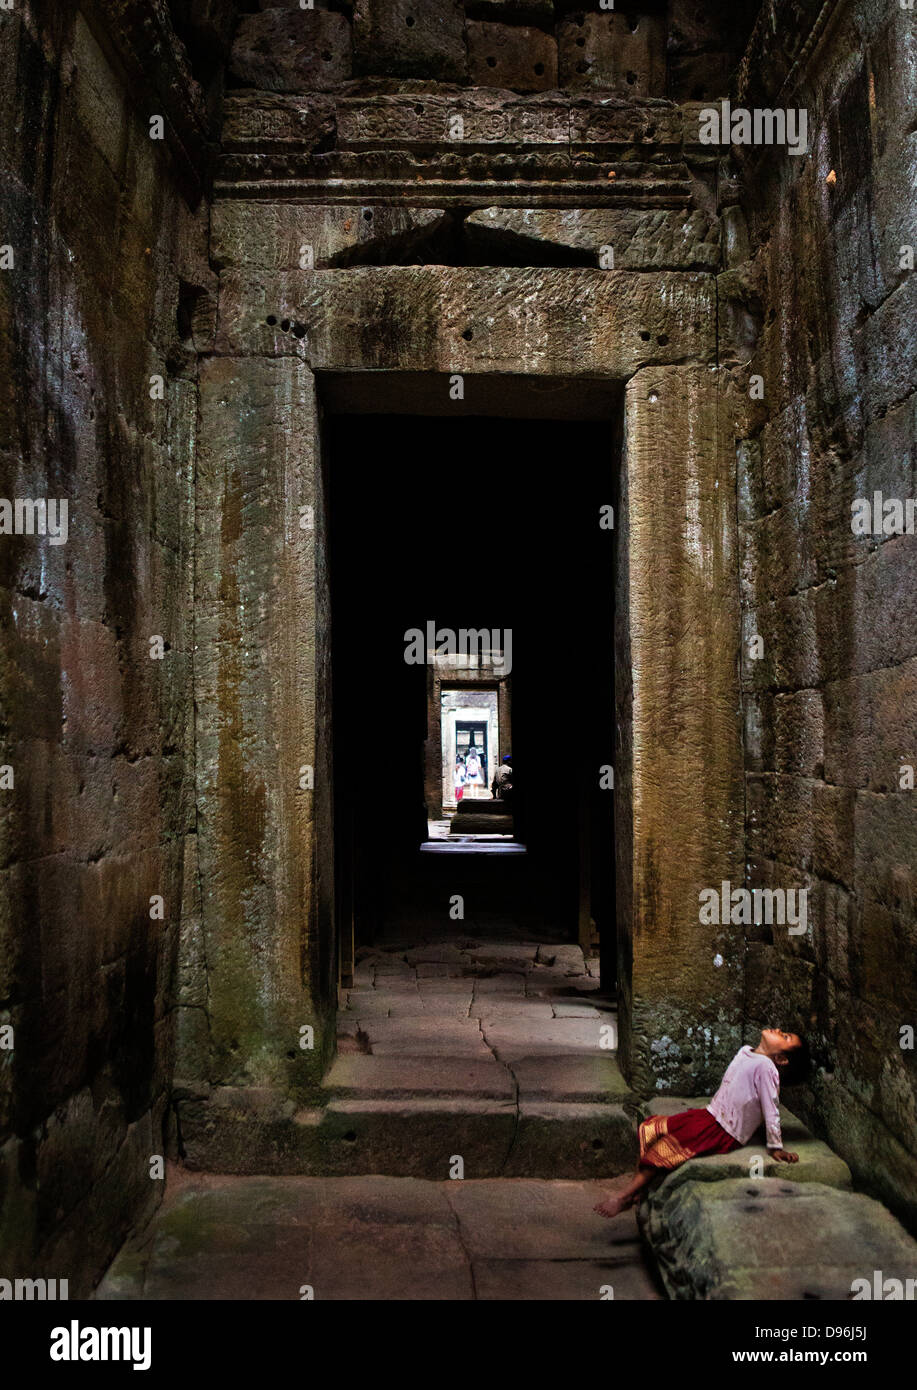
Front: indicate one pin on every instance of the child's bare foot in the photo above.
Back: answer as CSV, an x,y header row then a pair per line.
x,y
613,1206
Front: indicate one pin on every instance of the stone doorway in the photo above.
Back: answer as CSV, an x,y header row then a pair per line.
x,y
543,630
277,928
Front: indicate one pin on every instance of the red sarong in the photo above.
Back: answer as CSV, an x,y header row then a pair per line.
x,y
666,1141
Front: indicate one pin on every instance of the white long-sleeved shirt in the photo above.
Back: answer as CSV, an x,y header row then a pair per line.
x,y
748,1094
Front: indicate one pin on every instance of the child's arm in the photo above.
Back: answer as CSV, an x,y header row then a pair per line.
x,y
768,1087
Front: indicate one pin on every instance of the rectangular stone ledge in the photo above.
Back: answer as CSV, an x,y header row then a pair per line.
x,y
769,1238
408,1137
533,322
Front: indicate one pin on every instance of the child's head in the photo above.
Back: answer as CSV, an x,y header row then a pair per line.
x,y
789,1051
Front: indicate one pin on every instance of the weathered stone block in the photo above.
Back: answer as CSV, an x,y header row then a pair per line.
x,y
443,319
279,237
416,1138
410,38
603,50
741,1239
292,50
637,240
518,58
700,76
571,1140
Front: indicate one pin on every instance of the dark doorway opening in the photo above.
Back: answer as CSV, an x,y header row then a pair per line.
x,y
473,523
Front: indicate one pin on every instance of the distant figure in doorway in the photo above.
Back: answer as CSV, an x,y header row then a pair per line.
x,y
502,785
473,772
460,777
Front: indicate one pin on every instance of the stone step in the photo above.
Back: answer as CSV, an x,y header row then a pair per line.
x,y
421,1137
538,1117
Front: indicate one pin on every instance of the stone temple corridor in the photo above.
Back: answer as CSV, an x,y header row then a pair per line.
x,y
458,650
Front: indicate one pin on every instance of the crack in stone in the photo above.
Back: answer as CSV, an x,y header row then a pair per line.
x,y
461,1240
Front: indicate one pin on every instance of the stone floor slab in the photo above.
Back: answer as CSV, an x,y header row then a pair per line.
x,y
428,1036
513,1039
587,1079
564,1281
384,1238
392,1078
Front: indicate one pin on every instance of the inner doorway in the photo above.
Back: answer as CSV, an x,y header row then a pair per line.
x,y
533,562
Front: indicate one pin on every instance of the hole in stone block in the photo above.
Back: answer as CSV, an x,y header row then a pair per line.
x,y
539,69
645,336
367,214
663,339
271,319
581,42
409,21
631,78
418,110
582,66
633,22
299,330
188,297
350,1136
468,334
285,325
326,56
491,62
597,1144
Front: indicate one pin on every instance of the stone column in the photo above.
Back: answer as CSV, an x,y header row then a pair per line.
x,y
261,964
679,797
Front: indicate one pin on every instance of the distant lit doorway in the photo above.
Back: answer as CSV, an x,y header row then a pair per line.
x,y
470,733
